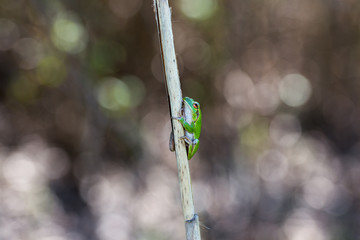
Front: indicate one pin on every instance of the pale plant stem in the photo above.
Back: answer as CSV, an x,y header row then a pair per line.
x,y
163,19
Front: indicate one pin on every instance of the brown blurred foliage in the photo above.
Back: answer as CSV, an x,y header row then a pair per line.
x,y
84,120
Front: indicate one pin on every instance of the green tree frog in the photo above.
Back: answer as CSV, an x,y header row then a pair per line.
x,y
191,121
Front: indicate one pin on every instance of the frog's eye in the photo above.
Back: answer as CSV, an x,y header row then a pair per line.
x,y
196,105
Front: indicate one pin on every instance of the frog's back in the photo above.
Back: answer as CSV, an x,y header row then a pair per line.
x,y
198,126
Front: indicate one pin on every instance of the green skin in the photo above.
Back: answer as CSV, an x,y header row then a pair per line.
x,y
192,129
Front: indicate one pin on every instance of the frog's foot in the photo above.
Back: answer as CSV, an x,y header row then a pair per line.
x,y
176,118
187,140
195,141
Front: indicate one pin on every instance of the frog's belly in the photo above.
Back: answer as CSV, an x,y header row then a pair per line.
x,y
190,136
188,118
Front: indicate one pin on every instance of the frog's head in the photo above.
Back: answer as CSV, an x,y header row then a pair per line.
x,y
194,106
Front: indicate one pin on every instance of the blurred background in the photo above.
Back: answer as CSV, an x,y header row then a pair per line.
x,y
84,119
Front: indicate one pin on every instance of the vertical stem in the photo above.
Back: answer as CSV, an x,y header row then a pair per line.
x,y
172,81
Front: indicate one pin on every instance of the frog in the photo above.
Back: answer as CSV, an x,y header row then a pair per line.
x,y
190,119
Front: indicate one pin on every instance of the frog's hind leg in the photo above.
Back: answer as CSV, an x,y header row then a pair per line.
x,y
192,148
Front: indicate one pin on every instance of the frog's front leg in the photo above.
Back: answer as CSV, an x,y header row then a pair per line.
x,y
188,127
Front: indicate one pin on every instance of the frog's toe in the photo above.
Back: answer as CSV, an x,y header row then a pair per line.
x,y
186,139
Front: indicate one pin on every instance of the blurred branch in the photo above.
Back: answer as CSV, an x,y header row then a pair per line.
x,y
172,82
